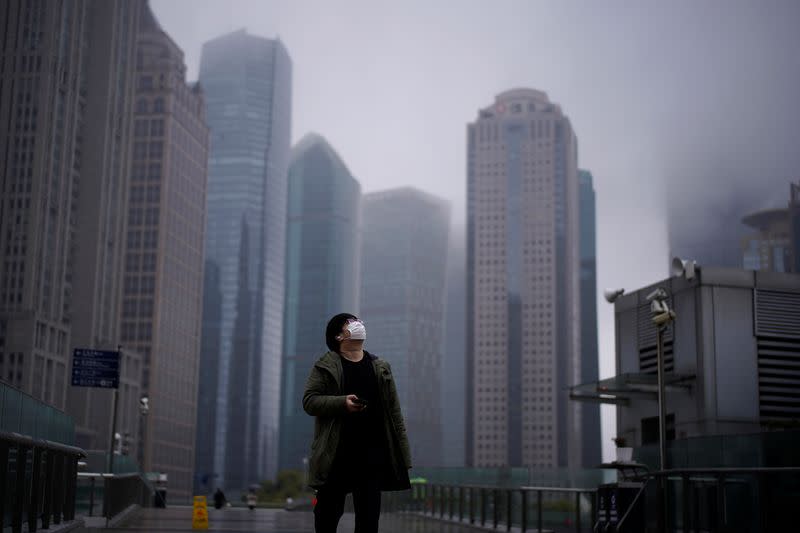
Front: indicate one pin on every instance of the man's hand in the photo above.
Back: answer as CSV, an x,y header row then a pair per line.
x,y
352,406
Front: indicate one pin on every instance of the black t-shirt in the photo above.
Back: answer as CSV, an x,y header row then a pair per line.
x,y
362,452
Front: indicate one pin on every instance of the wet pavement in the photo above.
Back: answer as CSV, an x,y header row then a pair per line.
x,y
237,520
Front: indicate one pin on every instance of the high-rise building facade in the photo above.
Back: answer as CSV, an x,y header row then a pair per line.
x,y
322,262
67,96
523,284
590,362
41,165
247,85
162,297
403,269
454,363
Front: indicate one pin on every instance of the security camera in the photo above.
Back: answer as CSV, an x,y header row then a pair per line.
x,y
683,267
658,294
144,405
611,295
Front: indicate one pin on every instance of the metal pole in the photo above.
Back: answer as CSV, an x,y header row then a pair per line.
x,y
113,432
113,421
662,408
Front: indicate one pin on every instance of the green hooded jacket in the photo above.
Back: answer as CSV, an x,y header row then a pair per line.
x,y
324,399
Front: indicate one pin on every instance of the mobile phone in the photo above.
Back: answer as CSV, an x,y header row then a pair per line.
x,y
360,401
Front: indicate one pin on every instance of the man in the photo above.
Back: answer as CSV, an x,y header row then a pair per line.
x,y
360,443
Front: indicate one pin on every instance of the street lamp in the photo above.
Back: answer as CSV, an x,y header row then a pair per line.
x,y
662,317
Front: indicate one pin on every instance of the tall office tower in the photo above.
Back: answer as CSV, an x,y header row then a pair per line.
x,y
523,297
99,249
162,299
403,269
454,364
590,363
66,100
39,78
322,262
247,85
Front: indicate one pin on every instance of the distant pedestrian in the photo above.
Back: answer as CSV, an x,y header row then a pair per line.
x,y
360,444
219,499
251,499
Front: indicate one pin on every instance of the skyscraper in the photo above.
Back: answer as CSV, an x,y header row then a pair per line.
x,y
247,85
322,262
403,268
66,95
162,300
590,364
40,168
523,298
454,363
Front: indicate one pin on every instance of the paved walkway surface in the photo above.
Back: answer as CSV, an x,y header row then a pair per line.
x,y
269,521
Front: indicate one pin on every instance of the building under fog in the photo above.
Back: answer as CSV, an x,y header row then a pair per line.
x,y
523,284
590,362
774,240
162,296
403,266
454,354
247,84
66,102
322,265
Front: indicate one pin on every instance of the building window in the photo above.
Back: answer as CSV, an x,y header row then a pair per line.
x,y
157,127
158,105
141,105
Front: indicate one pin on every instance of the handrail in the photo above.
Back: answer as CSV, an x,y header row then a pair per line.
x,y
25,440
48,493
120,491
441,499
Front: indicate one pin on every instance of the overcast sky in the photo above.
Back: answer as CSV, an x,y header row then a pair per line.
x,y
700,97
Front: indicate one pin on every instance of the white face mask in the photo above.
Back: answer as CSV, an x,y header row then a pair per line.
x,y
357,330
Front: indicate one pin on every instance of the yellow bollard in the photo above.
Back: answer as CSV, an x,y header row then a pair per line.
x,y
199,513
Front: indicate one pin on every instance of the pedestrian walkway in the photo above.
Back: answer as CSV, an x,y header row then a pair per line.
x,y
239,520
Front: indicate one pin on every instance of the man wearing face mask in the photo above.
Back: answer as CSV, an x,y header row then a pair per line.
x,y
360,444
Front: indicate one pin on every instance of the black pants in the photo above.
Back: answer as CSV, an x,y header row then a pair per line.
x,y
330,507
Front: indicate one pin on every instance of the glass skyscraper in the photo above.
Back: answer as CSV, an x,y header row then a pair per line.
x,y
403,271
321,275
247,83
590,371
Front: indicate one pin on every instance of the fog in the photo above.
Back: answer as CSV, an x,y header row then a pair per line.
x,y
686,112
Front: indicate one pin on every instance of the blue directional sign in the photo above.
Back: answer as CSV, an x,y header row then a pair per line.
x,y
95,368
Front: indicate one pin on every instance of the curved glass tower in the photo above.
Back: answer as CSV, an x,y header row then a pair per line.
x,y
321,275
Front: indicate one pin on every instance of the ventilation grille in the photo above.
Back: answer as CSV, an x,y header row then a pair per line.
x,y
647,337
648,359
777,314
779,378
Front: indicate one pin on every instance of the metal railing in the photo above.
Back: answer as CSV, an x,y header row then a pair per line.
x,y
117,492
720,499
502,508
37,482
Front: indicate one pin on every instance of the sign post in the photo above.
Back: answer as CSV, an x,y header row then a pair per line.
x,y
99,369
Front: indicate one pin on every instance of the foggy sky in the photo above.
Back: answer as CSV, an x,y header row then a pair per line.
x,y
692,102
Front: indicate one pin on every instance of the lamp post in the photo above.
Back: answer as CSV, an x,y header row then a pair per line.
x,y
662,317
